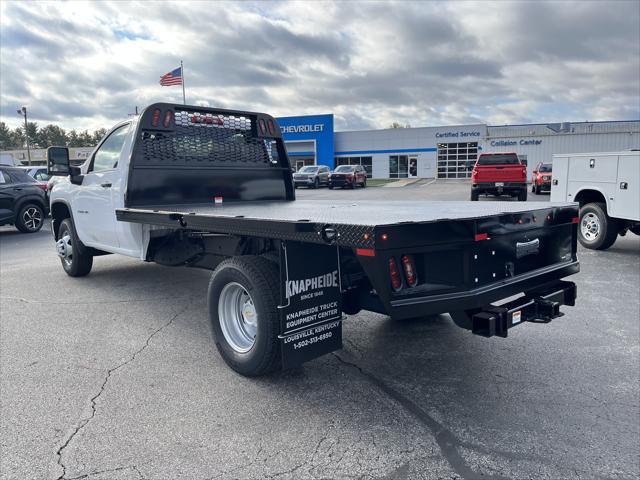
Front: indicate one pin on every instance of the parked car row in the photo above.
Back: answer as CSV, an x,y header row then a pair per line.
x,y
345,176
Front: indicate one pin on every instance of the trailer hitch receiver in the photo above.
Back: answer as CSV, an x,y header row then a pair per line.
x,y
540,306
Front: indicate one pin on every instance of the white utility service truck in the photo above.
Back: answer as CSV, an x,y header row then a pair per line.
x,y
607,187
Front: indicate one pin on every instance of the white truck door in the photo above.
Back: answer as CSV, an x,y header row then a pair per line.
x,y
94,214
626,202
560,167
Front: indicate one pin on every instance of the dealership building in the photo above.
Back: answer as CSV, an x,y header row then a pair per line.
x,y
424,152
443,152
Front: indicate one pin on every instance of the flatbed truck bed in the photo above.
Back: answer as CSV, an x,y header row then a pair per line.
x,y
305,219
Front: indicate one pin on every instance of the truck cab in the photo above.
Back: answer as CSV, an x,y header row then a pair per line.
x,y
499,174
93,192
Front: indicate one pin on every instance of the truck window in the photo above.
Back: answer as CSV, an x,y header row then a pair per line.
x,y
508,159
545,168
106,158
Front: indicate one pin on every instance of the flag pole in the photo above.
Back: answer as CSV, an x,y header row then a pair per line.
x,y
184,98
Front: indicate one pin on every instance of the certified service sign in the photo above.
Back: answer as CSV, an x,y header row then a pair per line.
x,y
311,315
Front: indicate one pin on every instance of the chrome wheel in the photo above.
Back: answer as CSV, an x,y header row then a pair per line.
x,y
238,317
32,218
65,248
590,227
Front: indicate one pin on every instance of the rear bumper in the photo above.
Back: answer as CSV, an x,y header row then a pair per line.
x,y
544,187
480,297
491,187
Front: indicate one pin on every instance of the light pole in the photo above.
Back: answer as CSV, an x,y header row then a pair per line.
x,y
23,111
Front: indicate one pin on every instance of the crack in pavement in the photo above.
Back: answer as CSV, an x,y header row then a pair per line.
x,y
95,302
446,440
108,470
93,400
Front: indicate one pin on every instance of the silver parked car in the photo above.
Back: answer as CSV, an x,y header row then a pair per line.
x,y
311,176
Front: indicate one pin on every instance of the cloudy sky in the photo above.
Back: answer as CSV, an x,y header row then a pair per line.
x,y
87,65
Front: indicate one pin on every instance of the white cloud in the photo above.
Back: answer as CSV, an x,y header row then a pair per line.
x,y
87,65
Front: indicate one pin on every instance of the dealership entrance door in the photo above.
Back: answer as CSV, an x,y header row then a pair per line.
x,y
298,162
301,152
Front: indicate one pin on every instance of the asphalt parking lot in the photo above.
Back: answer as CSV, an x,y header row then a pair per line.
x,y
114,376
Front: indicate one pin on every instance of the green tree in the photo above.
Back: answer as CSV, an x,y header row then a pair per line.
x,y
85,139
98,135
52,135
6,137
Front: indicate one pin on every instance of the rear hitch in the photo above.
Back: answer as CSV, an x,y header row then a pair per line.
x,y
540,306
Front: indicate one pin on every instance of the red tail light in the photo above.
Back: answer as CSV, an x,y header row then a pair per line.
x,y
168,116
394,273
272,127
43,186
156,117
263,127
409,270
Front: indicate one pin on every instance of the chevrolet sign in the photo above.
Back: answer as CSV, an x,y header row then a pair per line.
x,y
302,128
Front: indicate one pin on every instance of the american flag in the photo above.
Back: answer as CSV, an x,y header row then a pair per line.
x,y
174,77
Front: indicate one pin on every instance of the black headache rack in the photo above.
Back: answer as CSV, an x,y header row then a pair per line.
x,y
188,154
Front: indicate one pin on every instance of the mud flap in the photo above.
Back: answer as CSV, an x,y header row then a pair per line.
x,y
310,305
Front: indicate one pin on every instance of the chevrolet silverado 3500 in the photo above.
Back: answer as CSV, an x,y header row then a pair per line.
x,y
200,187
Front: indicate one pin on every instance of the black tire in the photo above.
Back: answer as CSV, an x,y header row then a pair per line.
x,y
635,229
607,228
30,218
81,260
330,187
259,277
522,195
537,190
474,195
533,188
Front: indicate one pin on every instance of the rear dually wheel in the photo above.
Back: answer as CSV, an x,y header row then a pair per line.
x,y
243,310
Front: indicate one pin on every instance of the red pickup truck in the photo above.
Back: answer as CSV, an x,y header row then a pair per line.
x,y
499,174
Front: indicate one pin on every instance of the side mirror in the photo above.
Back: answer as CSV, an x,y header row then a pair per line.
x,y
75,175
58,161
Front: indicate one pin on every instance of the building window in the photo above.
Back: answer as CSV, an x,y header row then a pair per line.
x,y
366,162
453,158
398,166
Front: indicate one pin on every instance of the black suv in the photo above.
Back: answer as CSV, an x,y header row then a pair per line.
x,y
22,200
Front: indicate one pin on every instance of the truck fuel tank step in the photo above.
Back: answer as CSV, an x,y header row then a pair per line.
x,y
540,306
